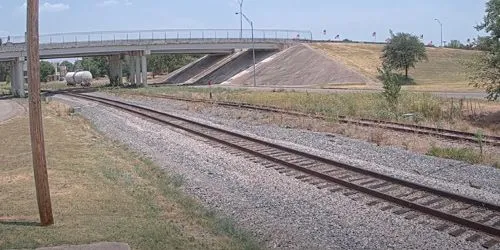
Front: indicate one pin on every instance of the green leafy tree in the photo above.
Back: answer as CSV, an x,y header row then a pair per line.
x,y
392,85
455,44
46,69
4,70
403,51
98,66
69,66
485,69
159,64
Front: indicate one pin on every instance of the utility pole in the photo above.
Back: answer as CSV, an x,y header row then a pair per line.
x,y
35,114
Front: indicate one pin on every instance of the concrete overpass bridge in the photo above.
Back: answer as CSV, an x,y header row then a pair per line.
x,y
134,46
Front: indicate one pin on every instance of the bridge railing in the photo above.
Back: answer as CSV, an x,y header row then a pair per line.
x,y
155,36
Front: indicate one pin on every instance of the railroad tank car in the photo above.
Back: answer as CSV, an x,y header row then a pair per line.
x,y
83,78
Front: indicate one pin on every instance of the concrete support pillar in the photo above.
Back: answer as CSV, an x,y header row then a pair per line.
x,y
116,75
131,66
144,66
17,78
138,70
13,78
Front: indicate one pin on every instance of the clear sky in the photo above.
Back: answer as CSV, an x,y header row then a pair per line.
x,y
352,19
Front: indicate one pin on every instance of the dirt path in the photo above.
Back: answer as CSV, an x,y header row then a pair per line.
x,y
9,109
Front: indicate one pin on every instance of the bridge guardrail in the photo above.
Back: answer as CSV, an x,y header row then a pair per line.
x,y
158,37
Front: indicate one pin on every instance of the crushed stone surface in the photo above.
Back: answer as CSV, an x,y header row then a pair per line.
x,y
278,210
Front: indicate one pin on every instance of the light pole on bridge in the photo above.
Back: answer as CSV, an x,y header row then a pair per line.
x,y
253,46
241,18
441,24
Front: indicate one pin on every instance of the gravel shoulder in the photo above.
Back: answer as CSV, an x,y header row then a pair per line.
x,y
281,211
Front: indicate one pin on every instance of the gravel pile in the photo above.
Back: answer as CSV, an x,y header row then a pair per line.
x,y
280,211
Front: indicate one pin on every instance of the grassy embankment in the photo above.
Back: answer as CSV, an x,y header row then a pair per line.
x,y
444,71
100,192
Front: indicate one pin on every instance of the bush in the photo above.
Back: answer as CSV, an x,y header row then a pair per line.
x,y
392,85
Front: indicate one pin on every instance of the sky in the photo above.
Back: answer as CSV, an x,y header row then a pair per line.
x,y
351,19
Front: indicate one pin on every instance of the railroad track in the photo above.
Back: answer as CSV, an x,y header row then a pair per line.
x,y
460,216
395,126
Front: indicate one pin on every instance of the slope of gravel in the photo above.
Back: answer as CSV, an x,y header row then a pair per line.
x,y
280,211
300,65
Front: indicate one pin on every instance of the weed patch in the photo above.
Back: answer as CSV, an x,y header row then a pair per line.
x,y
459,154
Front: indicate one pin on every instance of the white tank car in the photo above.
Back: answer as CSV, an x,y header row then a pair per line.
x,y
83,78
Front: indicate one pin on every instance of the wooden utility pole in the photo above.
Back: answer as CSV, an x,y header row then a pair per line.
x,y
35,110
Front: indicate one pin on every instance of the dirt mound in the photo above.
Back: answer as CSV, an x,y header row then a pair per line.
x,y
299,65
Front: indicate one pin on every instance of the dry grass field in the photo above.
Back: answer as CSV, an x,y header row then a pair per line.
x,y
100,192
444,71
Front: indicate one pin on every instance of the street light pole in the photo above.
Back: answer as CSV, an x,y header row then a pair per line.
x,y
241,19
441,24
253,47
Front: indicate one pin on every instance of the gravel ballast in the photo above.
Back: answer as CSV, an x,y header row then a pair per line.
x,y
280,211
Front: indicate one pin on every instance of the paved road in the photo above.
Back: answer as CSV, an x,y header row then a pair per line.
x,y
8,109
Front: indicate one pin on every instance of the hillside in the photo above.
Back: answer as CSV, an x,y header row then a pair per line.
x,y
443,71
300,65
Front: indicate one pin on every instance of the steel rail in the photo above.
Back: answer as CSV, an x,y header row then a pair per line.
x,y
401,127
156,115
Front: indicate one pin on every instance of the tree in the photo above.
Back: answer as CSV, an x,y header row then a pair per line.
x,y
98,66
69,66
4,70
455,44
46,69
403,51
159,64
485,69
392,85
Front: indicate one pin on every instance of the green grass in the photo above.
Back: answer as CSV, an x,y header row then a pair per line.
x,y
460,154
101,191
445,68
424,106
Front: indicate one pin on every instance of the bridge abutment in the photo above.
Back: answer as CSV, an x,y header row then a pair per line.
x,y
116,71
138,78
17,77
144,67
